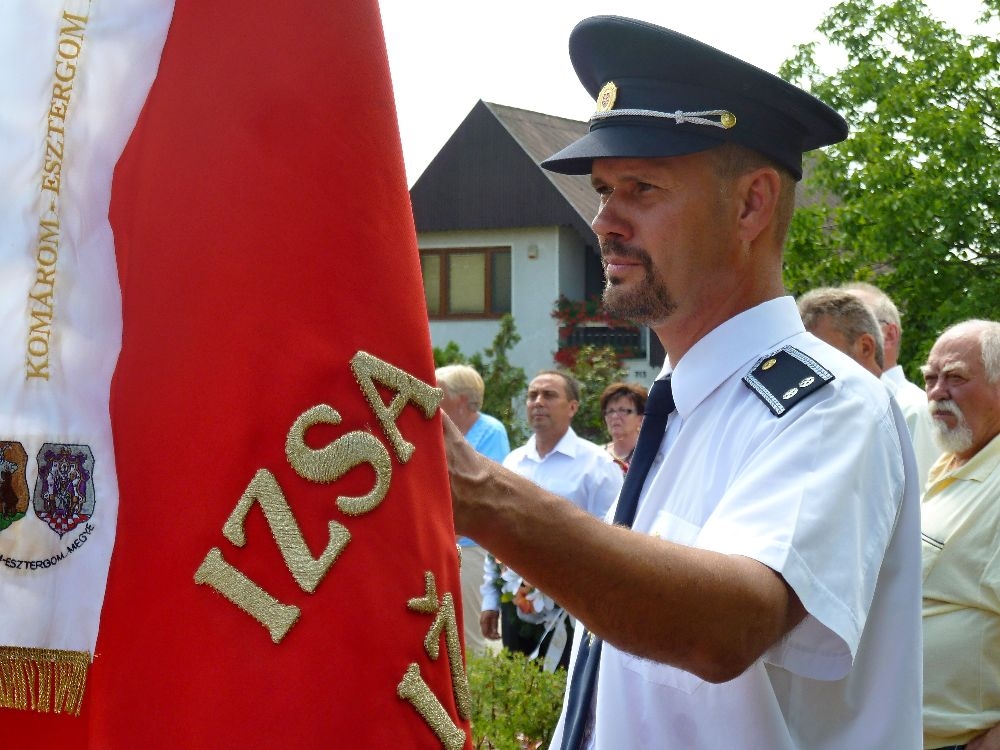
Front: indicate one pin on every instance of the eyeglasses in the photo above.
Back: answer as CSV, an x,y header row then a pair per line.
x,y
619,412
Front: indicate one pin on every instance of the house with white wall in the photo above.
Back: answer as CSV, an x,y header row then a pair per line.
x,y
498,234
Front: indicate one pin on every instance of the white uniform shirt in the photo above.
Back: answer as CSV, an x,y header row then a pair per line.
x,y
912,400
818,496
575,469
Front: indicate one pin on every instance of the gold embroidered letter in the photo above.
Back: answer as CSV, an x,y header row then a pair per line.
x,y
339,457
415,691
445,620
278,618
306,570
368,369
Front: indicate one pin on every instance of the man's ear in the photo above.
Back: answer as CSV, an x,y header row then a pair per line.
x,y
758,191
890,335
864,345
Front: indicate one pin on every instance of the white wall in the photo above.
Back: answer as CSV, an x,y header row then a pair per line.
x,y
572,271
537,263
639,370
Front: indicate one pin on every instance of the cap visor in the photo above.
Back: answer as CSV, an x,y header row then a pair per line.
x,y
626,141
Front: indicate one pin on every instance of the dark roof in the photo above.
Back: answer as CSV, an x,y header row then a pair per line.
x,y
487,176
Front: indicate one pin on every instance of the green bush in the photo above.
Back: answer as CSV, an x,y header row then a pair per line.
x,y
515,704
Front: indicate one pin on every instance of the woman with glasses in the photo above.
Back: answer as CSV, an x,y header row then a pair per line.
x,y
623,405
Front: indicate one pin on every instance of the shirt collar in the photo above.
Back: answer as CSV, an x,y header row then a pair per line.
x,y
982,465
894,376
731,347
567,446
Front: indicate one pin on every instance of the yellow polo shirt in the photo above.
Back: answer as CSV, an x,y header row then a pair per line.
x,y
960,524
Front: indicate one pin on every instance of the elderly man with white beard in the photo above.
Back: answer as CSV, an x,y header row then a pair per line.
x,y
960,520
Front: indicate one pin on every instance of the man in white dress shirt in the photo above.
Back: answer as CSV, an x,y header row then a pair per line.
x,y
911,397
562,462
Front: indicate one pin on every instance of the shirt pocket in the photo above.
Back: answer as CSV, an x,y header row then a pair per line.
x,y
675,529
930,551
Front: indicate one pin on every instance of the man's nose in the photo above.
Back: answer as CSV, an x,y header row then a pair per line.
x,y
936,391
609,222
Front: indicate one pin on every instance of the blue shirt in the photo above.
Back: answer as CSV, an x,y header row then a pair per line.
x,y
489,437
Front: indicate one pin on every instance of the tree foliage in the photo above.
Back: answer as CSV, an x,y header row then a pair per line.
x,y
595,368
504,382
918,180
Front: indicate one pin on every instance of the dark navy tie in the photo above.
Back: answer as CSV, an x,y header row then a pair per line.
x,y
659,405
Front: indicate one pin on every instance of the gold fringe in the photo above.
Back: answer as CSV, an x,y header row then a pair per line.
x,y
43,679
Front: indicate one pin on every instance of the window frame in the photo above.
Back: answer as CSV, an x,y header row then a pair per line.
x,y
444,275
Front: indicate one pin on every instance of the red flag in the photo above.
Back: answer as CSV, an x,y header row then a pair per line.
x,y
285,573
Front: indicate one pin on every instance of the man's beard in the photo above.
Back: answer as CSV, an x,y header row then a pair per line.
x,y
649,302
957,439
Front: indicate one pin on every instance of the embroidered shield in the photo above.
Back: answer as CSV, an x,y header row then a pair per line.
x,y
13,484
64,492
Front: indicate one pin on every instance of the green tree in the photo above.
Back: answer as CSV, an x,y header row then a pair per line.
x,y
918,181
595,367
451,354
505,383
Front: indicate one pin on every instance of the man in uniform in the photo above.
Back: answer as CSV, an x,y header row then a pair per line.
x,y
960,520
767,594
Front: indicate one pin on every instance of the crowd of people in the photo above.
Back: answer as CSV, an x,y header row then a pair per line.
x,y
954,423
784,543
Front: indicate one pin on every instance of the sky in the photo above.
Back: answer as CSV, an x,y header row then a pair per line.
x,y
445,55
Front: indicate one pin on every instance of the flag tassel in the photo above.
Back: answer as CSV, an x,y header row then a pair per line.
x,y
42,679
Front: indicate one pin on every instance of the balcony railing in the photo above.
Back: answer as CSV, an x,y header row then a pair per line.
x,y
626,341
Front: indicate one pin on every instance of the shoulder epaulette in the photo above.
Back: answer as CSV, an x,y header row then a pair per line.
x,y
785,377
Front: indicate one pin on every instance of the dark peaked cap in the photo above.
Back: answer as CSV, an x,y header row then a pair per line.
x,y
666,94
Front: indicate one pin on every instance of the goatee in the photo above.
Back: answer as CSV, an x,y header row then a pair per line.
x,y
648,302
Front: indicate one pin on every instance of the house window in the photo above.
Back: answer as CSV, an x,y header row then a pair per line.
x,y
466,282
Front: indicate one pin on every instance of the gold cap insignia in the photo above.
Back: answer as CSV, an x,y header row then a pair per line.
x,y
606,97
769,364
727,120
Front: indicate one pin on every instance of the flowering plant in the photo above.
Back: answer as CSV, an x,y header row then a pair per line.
x,y
571,313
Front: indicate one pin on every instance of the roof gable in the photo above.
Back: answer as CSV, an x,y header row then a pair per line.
x,y
487,176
